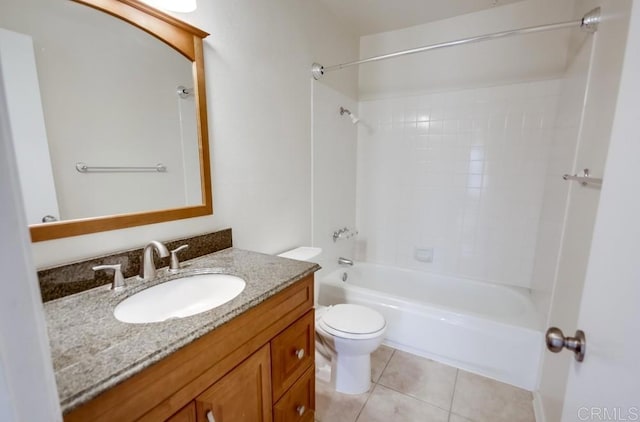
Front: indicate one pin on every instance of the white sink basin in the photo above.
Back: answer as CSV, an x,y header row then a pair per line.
x,y
179,298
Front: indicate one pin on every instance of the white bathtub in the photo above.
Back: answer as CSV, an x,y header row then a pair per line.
x,y
488,329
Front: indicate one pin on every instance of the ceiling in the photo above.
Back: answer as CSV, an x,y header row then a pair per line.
x,y
373,16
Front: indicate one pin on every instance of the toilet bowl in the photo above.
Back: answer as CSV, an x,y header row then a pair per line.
x,y
346,335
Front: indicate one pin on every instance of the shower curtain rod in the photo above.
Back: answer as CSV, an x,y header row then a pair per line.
x,y
589,23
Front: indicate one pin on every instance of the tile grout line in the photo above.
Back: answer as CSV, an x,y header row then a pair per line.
x,y
375,384
365,402
418,398
414,397
453,394
393,352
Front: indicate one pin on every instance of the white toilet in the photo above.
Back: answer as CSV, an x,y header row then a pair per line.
x,y
346,334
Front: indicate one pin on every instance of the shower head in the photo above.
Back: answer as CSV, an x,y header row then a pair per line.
x,y
353,117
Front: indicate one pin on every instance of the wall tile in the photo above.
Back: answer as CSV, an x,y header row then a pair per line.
x,y
460,172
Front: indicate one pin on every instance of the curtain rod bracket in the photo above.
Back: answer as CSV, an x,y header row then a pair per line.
x,y
591,20
317,71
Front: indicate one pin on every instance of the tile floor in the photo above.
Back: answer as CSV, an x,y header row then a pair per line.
x,y
408,388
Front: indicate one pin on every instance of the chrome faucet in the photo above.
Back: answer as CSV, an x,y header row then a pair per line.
x,y
345,261
148,265
118,278
344,233
174,262
339,234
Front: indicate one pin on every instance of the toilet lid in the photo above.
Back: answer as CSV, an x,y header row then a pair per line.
x,y
353,319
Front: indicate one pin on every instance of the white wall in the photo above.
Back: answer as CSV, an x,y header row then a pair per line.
x,y
561,161
609,378
27,384
604,67
257,64
514,59
334,174
457,172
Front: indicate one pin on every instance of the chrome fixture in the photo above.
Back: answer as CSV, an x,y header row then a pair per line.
x,y
118,278
339,234
585,179
148,265
84,168
49,219
345,261
174,262
588,23
353,117
184,92
344,232
556,341
590,20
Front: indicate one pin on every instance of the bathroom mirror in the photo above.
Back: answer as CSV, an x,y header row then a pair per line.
x,y
124,115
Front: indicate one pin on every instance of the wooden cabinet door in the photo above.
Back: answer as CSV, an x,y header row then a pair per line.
x,y
186,414
243,395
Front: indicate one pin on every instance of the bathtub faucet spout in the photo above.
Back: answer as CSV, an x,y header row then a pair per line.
x,y
345,261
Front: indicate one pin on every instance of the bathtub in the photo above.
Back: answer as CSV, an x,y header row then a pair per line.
x,y
488,329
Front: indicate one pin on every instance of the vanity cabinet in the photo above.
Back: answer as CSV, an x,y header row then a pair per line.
x,y
257,367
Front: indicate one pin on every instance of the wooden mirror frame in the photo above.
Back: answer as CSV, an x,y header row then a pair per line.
x,y
187,40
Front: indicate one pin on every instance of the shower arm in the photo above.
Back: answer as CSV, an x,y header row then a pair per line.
x,y
588,23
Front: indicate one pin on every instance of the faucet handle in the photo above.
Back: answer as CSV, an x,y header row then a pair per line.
x,y
174,262
118,278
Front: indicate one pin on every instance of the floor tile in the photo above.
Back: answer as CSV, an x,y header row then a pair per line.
x,y
332,406
385,405
481,399
379,360
421,378
457,418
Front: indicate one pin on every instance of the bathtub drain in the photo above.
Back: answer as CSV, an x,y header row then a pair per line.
x,y
344,276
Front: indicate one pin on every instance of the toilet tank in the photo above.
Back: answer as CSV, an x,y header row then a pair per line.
x,y
302,253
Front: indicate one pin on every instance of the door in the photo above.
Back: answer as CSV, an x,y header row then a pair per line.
x,y
606,385
243,395
26,118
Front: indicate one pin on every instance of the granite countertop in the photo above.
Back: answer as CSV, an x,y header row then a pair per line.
x,y
92,351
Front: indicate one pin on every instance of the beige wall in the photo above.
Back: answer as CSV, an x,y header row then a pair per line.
x,y
257,62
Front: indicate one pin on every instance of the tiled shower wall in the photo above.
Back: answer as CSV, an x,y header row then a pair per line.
x,y
459,174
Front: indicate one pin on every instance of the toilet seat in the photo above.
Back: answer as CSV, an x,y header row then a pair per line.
x,y
352,322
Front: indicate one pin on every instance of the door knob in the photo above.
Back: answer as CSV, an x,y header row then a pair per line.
x,y
556,341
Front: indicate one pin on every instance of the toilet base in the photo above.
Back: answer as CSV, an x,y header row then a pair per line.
x,y
351,374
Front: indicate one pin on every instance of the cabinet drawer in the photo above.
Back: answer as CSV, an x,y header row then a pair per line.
x,y
297,404
292,352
